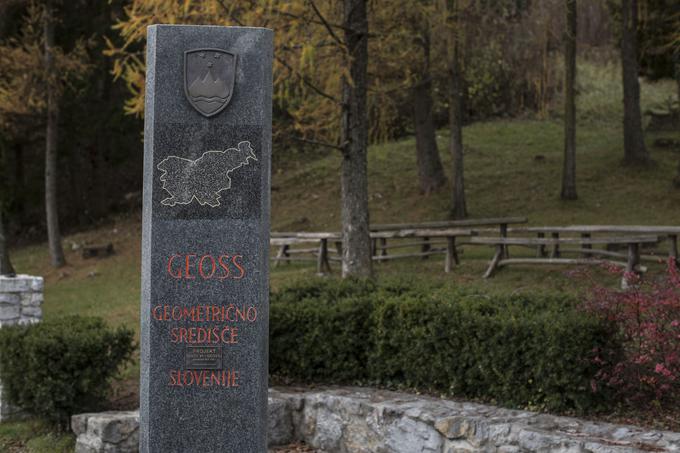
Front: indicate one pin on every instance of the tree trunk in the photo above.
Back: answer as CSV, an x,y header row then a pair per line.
x,y
459,210
18,184
53,233
676,180
356,251
634,149
430,171
5,264
569,168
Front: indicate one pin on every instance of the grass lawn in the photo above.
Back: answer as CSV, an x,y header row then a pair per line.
x,y
34,437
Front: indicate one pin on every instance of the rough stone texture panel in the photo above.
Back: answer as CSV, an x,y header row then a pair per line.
x,y
107,432
9,298
10,312
280,424
365,420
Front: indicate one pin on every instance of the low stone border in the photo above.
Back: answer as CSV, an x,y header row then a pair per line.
x,y
110,432
21,298
367,420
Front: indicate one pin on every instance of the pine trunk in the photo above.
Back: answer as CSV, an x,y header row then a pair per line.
x,y
5,263
53,233
430,170
356,251
634,149
18,184
459,210
569,168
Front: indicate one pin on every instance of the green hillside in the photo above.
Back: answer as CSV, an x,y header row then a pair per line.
x,y
504,177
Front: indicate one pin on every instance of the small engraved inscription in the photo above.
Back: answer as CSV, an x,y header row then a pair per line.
x,y
203,357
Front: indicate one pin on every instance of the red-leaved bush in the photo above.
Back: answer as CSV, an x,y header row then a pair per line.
x,y
647,318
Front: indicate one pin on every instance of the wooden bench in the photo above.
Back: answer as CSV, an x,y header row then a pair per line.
x,y
285,242
321,251
668,233
448,234
499,259
380,243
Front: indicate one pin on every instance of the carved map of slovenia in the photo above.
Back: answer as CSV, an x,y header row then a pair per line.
x,y
204,178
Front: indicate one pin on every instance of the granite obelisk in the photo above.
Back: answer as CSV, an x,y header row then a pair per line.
x,y
205,239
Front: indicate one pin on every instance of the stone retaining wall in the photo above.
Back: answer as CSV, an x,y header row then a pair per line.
x,y
366,420
21,298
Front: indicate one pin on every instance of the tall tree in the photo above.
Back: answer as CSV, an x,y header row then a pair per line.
x,y
51,209
430,170
356,260
569,167
5,263
403,72
453,10
35,74
634,148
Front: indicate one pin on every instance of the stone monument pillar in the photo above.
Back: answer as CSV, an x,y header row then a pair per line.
x,y
20,299
205,240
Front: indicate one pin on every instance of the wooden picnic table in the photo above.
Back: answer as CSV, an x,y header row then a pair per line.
x,y
450,234
449,223
322,259
322,252
669,232
502,223
499,259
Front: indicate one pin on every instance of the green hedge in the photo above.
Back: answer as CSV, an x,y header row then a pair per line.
x,y
523,351
60,367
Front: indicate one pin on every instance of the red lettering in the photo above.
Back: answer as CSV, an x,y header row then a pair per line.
x,y
238,266
177,275
187,260
212,263
224,266
156,313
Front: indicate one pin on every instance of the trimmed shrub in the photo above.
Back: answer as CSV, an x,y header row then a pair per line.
x,y
60,367
323,328
523,351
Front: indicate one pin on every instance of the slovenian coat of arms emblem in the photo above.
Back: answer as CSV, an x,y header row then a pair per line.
x,y
209,79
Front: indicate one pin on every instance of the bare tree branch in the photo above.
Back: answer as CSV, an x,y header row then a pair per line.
x,y
295,16
316,142
301,77
326,24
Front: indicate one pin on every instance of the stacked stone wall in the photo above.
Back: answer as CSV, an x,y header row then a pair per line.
x,y
21,299
365,420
